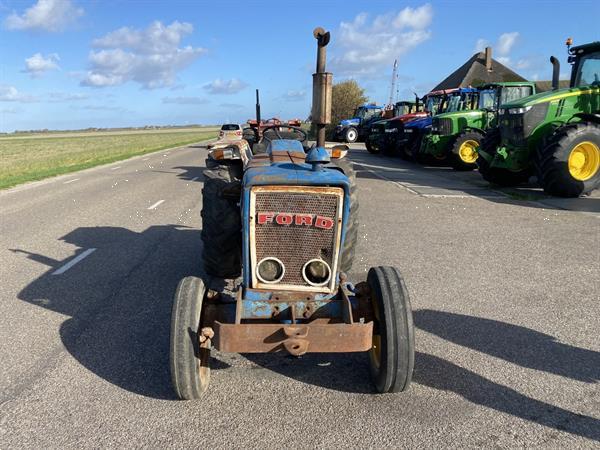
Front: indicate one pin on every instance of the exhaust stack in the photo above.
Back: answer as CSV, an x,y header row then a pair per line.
x,y
555,72
322,87
257,110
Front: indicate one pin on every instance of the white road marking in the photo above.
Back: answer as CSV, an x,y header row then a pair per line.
x,y
392,169
395,183
156,204
71,181
115,168
74,261
145,159
194,179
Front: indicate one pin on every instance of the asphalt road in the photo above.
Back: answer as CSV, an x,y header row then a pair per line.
x,y
505,289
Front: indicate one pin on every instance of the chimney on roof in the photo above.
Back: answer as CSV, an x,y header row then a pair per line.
x,y
488,58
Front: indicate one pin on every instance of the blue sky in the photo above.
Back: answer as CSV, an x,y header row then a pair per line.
x,y
70,64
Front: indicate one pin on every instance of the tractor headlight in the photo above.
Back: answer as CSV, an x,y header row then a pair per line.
x,y
522,110
316,272
270,270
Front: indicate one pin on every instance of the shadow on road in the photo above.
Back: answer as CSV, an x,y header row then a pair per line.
x,y
519,345
467,183
119,300
512,343
190,173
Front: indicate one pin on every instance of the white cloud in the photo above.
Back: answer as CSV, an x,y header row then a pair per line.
x,y
364,46
66,97
506,42
151,57
37,65
185,100
12,94
294,96
45,15
226,87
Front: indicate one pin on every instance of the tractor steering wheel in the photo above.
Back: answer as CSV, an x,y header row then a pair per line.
x,y
295,133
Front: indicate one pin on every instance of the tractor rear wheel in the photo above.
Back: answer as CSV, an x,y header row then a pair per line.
x,y
497,175
189,362
463,153
221,222
351,135
569,166
351,239
392,355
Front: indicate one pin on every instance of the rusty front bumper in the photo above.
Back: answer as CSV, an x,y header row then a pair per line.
x,y
296,339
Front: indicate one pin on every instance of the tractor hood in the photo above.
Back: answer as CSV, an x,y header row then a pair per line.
x,y
350,122
284,164
419,123
549,96
472,114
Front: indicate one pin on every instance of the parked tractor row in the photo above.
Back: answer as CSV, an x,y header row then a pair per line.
x,y
507,130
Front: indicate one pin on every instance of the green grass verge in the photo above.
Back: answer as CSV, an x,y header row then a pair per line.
x,y
24,159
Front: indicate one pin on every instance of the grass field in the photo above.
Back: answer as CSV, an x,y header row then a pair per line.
x,y
34,157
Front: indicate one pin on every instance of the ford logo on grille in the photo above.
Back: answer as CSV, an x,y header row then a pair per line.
x,y
284,218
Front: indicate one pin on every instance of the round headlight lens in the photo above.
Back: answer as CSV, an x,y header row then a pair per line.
x,y
270,270
316,272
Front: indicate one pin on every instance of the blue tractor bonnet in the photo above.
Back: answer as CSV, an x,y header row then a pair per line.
x,y
419,123
348,122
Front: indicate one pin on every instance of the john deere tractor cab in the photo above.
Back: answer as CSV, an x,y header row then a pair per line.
x,y
554,135
418,132
286,220
456,136
355,129
381,134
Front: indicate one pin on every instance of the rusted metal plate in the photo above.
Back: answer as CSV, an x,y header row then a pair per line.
x,y
315,337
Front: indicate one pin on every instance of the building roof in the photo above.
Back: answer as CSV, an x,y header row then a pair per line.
x,y
474,72
543,86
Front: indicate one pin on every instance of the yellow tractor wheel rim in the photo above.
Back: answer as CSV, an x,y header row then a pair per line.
x,y
584,161
468,151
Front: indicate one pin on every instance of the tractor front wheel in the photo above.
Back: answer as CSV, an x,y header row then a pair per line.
x,y
351,135
392,355
569,166
371,147
189,360
463,153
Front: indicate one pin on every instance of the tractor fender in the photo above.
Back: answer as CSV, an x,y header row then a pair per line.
x,y
478,130
586,117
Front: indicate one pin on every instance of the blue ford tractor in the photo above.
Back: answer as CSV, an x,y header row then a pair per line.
x,y
283,215
357,128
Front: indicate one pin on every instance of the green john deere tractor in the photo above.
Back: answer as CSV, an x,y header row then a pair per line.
x,y
555,135
455,136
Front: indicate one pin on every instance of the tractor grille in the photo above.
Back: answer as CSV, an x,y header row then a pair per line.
x,y
294,245
442,126
511,129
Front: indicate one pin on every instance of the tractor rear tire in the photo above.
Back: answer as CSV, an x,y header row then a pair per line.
x,y
392,355
351,239
463,153
351,135
569,165
189,363
221,222
497,175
